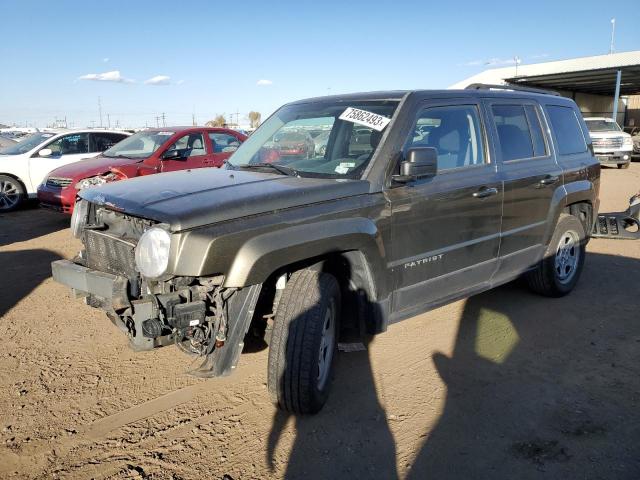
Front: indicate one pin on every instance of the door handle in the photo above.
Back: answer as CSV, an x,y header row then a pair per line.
x,y
548,181
485,192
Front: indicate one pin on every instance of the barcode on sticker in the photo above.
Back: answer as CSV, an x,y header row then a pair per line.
x,y
363,117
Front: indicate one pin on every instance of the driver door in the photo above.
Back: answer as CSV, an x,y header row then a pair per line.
x,y
445,228
64,150
190,153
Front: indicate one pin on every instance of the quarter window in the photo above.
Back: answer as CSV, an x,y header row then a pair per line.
x,y
566,126
454,131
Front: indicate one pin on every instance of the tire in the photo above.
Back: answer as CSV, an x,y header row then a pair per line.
x,y
305,331
557,278
623,165
12,193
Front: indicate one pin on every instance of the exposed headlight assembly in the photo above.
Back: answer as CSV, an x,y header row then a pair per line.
x,y
79,217
152,252
97,180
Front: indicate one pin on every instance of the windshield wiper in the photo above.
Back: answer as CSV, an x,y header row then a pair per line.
x,y
280,168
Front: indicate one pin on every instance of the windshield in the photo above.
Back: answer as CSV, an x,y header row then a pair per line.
x,y
602,126
28,143
321,139
140,145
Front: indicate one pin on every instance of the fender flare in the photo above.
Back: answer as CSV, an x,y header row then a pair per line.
x,y
264,254
568,194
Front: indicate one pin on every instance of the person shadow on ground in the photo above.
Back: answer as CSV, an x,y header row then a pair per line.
x,y
348,438
540,387
21,272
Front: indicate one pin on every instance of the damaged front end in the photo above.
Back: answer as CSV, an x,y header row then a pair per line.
x,y
198,314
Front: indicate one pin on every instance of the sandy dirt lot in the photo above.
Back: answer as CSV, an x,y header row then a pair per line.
x,y
503,385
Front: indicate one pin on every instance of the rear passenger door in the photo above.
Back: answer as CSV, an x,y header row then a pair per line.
x,y
531,175
445,229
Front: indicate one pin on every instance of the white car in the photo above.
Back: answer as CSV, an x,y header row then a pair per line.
x,y
611,145
25,165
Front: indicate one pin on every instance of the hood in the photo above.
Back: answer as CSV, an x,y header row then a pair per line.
x,y
608,134
89,167
192,198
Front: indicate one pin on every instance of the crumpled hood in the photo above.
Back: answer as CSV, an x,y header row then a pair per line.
x,y
191,198
90,167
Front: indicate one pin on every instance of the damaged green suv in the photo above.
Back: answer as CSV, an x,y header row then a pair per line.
x,y
406,201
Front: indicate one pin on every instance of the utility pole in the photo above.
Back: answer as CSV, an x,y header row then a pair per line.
x,y
164,124
193,119
517,61
100,111
108,121
613,32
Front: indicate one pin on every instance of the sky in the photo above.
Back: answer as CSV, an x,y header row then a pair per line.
x,y
140,59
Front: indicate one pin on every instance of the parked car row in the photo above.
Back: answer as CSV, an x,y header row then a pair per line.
x,y
54,167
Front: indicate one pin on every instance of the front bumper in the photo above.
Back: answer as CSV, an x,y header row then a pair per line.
x,y
110,293
58,199
613,158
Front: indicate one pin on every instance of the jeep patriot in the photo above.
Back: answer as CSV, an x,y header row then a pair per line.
x,y
418,199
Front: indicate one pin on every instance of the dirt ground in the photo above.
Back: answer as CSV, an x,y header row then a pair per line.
x,y
503,385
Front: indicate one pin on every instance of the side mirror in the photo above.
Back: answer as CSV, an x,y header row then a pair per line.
x,y
420,162
172,155
45,152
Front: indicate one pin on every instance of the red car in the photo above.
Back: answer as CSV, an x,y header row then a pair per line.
x,y
145,153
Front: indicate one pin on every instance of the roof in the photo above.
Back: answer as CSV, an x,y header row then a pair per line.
x,y
182,128
595,74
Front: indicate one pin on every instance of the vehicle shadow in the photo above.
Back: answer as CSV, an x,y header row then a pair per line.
x,y
21,272
540,386
30,222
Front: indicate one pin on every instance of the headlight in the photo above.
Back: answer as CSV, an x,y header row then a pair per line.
x,y
97,180
152,252
79,217
627,142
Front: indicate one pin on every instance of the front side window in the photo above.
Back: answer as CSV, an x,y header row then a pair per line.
x,y
454,131
70,144
567,129
329,139
190,145
223,142
140,145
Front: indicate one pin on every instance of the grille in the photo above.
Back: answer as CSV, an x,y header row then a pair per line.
x,y
58,182
613,142
109,254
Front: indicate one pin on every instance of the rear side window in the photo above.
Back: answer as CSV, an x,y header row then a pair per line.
x,y
566,126
539,145
223,142
513,132
105,140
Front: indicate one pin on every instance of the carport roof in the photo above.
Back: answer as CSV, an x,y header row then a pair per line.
x,y
595,74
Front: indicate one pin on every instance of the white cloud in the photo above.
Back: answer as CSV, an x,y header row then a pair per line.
x,y
264,82
179,82
113,76
158,80
105,59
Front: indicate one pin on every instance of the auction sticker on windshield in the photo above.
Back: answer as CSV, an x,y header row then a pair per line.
x,y
363,117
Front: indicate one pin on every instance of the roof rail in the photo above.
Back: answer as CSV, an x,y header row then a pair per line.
x,y
518,88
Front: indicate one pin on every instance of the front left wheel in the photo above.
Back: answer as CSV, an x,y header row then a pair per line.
x,y
11,193
303,342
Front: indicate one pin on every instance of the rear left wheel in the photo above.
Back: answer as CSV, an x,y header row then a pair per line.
x,y
11,193
303,342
